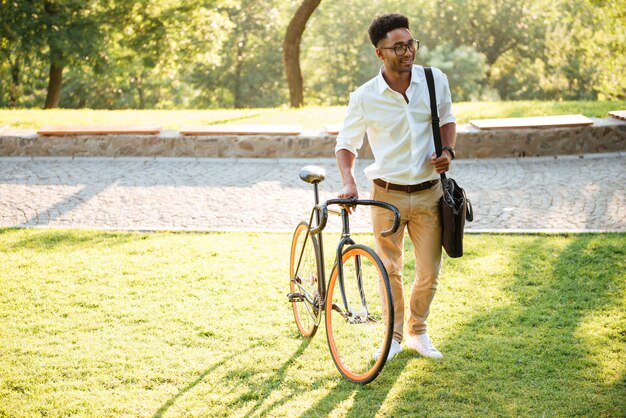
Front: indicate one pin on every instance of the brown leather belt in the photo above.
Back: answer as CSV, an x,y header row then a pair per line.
x,y
408,188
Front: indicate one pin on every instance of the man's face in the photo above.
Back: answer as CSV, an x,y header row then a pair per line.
x,y
393,62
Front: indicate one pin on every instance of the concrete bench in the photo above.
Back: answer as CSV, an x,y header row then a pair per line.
x,y
280,130
100,130
618,114
560,121
333,129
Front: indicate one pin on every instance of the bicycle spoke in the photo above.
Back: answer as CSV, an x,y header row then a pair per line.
x,y
304,281
359,319
312,306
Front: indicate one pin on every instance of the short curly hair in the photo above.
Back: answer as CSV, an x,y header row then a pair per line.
x,y
382,25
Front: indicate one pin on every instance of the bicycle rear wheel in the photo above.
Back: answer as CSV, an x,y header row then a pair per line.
x,y
362,323
304,280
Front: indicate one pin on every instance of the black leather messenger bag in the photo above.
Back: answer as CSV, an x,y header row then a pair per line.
x,y
455,207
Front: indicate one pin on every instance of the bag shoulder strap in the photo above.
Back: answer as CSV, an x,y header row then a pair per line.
x,y
430,81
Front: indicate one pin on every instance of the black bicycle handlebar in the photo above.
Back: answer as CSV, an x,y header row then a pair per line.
x,y
355,202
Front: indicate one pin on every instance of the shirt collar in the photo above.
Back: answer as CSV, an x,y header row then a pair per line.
x,y
382,84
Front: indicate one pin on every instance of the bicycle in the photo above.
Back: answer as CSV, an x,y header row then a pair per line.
x,y
357,302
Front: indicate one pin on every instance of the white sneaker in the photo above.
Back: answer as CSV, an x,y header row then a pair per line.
x,y
395,348
421,343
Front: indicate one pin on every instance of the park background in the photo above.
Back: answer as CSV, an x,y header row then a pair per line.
x,y
144,323
183,54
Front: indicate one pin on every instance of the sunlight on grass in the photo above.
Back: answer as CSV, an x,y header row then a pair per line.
x,y
191,324
599,335
313,118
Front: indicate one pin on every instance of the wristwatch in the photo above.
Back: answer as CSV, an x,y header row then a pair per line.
x,y
450,150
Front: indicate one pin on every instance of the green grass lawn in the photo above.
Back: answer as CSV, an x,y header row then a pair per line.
x,y
101,324
311,118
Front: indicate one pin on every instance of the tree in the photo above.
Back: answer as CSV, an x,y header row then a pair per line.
x,y
337,58
493,28
581,57
71,32
464,66
148,51
20,32
251,66
291,51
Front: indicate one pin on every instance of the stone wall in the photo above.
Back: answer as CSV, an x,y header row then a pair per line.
x,y
605,135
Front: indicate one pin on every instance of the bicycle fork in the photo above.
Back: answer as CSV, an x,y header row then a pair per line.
x,y
347,312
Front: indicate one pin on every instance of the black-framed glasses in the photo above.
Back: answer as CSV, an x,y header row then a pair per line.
x,y
400,49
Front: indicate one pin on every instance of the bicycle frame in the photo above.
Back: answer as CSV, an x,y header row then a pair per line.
x,y
320,212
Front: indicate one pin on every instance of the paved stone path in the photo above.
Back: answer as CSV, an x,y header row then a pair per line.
x,y
517,195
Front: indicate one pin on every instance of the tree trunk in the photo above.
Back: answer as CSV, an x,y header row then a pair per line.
x,y
14,90
238,72
55,75
55,82
291,51
138,81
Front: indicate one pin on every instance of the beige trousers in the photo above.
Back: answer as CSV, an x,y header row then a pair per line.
x,y
419,215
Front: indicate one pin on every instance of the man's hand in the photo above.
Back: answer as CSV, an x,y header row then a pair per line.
x,y
441,164
345,161
349,191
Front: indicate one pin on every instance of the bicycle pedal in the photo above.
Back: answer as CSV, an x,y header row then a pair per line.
x,y
357,320
295,297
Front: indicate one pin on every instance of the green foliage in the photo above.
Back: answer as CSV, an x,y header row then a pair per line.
x,y
151,43
249,71
123,54
97,324
337,53
465,67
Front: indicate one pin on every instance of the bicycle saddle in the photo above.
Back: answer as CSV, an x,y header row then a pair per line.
x,y
312,174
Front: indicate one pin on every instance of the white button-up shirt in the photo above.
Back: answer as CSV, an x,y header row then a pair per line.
x,y
399,133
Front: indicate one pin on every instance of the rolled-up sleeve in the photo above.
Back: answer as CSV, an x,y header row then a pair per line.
x,y
445,105
350,136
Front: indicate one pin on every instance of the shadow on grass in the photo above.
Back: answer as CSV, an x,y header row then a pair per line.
x,y
258,391
528,358
167,405
262,390
344,390
366,400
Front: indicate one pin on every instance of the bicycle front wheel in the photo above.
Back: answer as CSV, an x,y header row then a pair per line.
x,y
359,315
304,280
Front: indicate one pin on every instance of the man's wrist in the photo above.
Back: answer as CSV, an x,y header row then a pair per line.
x,y
450,150
349,182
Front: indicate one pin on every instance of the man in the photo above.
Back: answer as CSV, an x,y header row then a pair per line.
x,y
394,109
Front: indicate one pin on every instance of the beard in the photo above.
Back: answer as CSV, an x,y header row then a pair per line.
x,y
403,65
